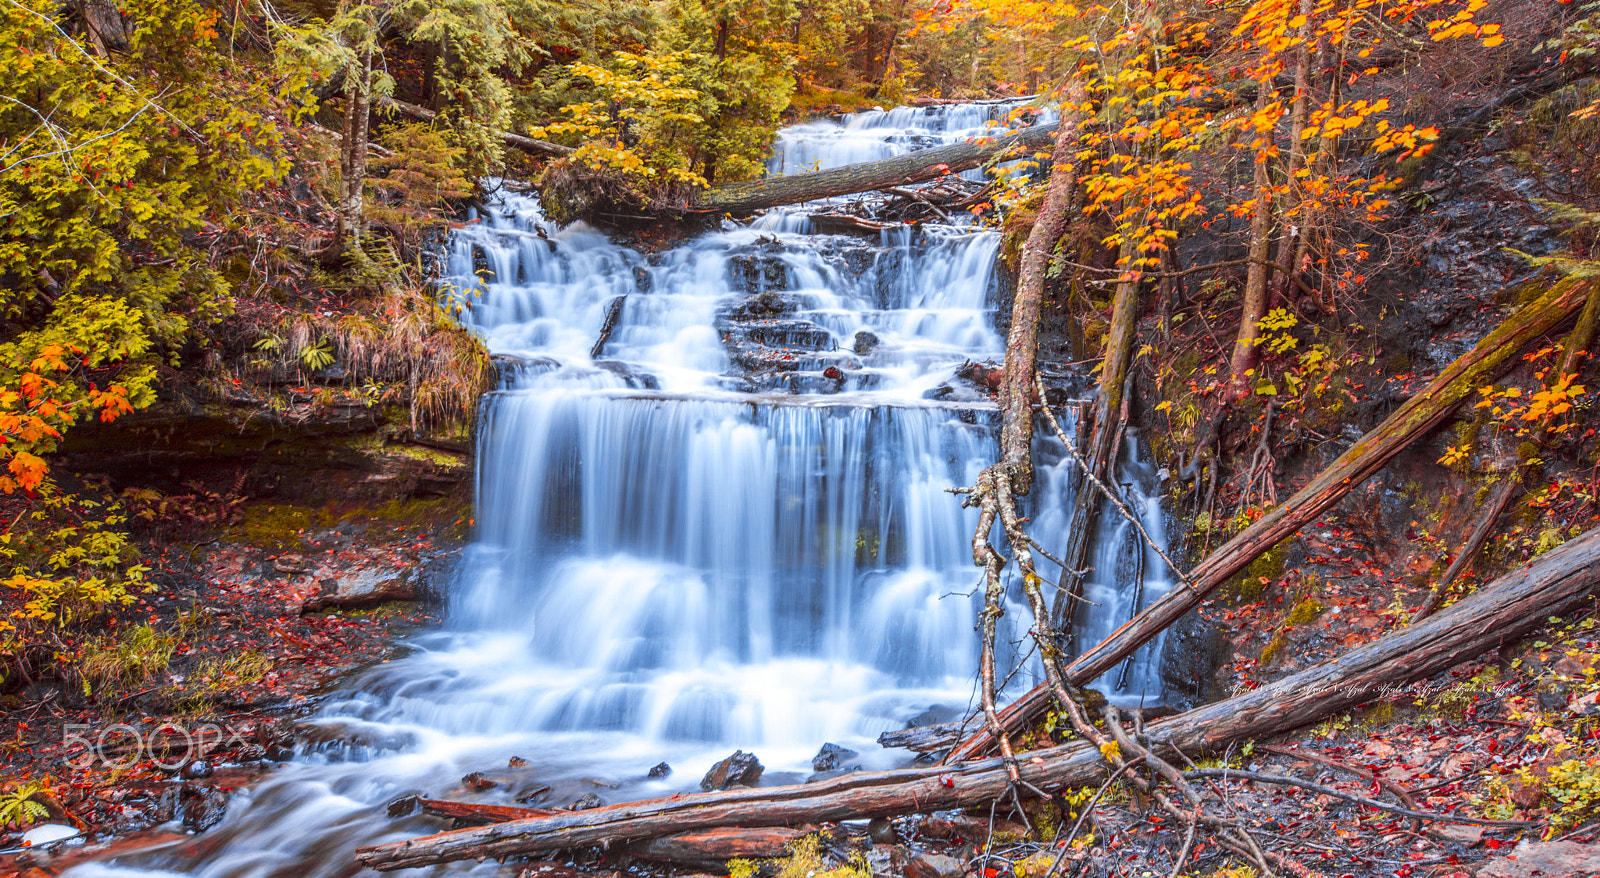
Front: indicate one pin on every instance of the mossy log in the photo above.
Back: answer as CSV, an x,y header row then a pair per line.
x,y
1415,418
900,170
1561,581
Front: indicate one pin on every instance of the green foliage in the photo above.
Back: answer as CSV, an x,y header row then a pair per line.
x,y
118,664
108,173
18,807
66,559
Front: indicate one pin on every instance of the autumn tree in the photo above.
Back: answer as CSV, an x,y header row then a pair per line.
x,y
113,168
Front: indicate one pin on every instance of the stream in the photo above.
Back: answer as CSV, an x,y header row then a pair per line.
x,y
726,526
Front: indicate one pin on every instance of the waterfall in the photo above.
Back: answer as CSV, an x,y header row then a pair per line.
x,y
724,525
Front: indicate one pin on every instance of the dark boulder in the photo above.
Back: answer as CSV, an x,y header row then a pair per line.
x,y
739,770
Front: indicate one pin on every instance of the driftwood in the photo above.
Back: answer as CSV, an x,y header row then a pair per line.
x,y
613,314
925,739
464,813
1561,581
900,170
1412,420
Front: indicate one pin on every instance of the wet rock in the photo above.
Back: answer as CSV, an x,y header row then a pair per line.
x,y
641,279
934,866
1545,860
865,343
404,806
881,831
476,781
197,770
517,762
739,770
364,588
790,334
200,807
831,756
531,794
660,770
587,801
636,379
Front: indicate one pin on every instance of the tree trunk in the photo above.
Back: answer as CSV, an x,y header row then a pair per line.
x,y
1558,582
1577,344
353,155
1415,418
900,170
1108,412
1245,353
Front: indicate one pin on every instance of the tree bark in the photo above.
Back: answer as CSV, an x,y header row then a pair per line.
x,y
1254,307
1558,582
900,170
353,155
1108,420
1577,344
1415,418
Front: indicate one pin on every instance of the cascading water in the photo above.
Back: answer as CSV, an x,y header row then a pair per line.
x,y
723,526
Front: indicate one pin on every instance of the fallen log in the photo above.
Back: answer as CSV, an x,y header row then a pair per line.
x,y
925,739
713,848
1412,420
900,170
464,812
526,144
1559,582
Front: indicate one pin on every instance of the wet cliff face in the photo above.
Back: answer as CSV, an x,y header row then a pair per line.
x,y
303,454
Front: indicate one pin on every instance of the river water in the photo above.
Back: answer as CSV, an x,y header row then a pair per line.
x,y
725,527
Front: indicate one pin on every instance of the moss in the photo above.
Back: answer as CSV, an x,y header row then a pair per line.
x,y
806,860
1271,650
1303,612
1398,363
285,526
1249,586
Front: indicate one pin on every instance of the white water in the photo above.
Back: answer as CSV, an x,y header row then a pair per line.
x,y
677,555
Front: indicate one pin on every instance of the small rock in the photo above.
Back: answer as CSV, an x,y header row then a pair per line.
x,y
197,770
517,762
881,831
48,833
739,770
201,807
476,781
865,343
934,866
403,807
366,588
831,756
587,801
1568,859
660,770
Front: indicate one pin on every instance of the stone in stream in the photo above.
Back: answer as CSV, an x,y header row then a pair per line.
x,y
476,781
739,770
881,831
660,770
831,756
587,801
865,343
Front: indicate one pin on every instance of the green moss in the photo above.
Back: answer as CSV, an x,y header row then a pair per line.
x,y
1249,586
286,526
1303,612
1271,650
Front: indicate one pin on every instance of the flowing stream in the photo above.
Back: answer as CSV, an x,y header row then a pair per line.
x,y
724,526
